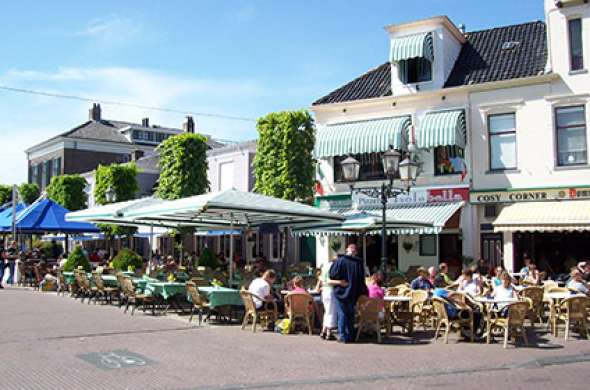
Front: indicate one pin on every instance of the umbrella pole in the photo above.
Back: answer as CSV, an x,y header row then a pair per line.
x,y
365,251
67,244
150,250
231,251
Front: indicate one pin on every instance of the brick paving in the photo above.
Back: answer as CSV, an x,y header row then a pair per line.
x,y
42,335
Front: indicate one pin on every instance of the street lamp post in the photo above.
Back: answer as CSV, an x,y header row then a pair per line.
x,y
408,171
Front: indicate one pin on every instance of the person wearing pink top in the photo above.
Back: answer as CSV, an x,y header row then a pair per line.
x,y
375,290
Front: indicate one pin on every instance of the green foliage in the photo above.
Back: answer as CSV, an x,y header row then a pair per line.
x,y
122,179
29,192
183,166
77,258
47,248
208,259
284,164
125,258
5,194
68,191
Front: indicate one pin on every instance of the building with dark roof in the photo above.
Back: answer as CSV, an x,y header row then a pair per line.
x,y
499,118
97,141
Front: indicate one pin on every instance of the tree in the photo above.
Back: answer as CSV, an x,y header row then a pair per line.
x,y
122,179
284,165
68,191
183,166
5,194
29,192
77,259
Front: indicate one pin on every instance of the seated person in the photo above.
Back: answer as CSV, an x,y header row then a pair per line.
x,y
421,282
577,283
496,280
504,291
586,271
469,284
525,269
374,287
456,309
443,271
432,274
297,285
261,288
532,277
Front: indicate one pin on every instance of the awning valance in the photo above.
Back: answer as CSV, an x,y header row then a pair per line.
x,y
442,128
412,46
368,136
401,219
566,216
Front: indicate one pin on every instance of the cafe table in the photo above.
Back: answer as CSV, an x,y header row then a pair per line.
x,y
390,302
221,296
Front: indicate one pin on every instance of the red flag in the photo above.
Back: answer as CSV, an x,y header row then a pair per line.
x,y
464,171
318,188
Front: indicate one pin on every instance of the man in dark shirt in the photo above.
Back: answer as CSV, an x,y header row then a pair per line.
x,y
11,256
421,282
2,254
350,272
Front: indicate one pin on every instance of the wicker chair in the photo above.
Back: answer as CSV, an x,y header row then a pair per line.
x,y
199,282
199,302
135,299
299,308
517,314
101,290
535,294
369,310
549,284
85,290
420,307
62,286
573,311
443,320
267,314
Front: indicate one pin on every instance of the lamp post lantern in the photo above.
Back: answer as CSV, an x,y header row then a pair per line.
x,y
408,172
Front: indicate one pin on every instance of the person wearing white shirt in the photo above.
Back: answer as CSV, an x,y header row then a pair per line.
x,y
577,283
468,284
504,292
260,287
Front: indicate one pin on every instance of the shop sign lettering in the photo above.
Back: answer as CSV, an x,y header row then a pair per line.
x,y
511,196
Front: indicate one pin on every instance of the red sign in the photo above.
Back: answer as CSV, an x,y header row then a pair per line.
x,y
448,194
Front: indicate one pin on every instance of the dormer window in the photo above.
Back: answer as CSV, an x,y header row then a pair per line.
x,y
413,55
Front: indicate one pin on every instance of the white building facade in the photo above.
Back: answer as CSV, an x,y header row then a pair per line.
x,y
495,113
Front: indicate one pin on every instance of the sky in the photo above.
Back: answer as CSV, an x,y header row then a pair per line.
x,y
228,57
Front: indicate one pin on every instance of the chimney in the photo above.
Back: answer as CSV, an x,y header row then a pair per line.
x,y
461,28
145,122
94,112
189,125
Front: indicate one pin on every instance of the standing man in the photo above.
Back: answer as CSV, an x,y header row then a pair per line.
x,y
2,255
349,271
11,256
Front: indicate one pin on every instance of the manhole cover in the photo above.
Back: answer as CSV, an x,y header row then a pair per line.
x,y
115,360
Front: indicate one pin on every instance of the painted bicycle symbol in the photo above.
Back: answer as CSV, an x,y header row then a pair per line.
x,y
114,360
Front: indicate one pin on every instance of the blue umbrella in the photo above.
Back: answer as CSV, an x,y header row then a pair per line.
x,y
6,217
48,216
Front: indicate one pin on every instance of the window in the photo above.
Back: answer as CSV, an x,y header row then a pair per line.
x,y
571,135
490,211
36,174
502,138
448,160
226,176
57,166
415,70
427,245
371,167
47,173
576,44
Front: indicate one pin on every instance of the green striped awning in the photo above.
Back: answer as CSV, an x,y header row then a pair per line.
x,y
368,136
412,46
442,128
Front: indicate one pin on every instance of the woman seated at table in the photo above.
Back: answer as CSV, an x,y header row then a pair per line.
x,y
297,285
496,279
504,292
468,284
577,283
532,277
376,291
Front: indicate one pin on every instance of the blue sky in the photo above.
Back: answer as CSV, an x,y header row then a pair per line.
x,y
239,58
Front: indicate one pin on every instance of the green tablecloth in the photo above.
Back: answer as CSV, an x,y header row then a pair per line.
x,y
109,280
164,289
69,277
222,296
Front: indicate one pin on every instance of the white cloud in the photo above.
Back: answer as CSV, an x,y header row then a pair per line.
x,y
112,30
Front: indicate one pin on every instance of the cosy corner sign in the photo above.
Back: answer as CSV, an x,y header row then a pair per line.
x,y
533,195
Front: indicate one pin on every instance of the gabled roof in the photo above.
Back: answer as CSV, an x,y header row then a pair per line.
x,y
481,60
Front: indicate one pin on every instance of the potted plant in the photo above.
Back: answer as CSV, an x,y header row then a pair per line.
x,y
407,245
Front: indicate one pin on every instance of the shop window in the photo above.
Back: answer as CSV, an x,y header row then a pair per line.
x,y
490,211
47,172
502,138
576,46
371,167
448,160
415,70
427,245
571,135
57,166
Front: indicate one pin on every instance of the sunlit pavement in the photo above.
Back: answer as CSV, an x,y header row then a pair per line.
x,y
54,342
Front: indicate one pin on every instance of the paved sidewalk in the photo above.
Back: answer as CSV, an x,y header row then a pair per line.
x,y
51,342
